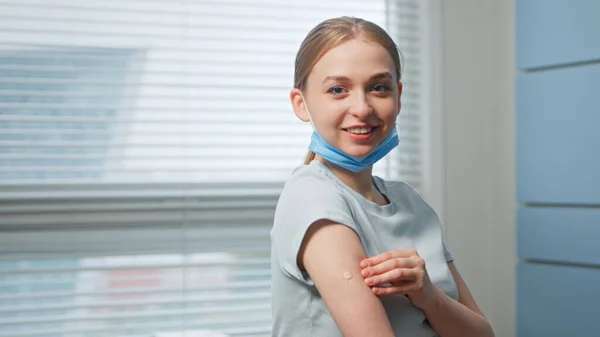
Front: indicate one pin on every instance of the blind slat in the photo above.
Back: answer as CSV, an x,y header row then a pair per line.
x,y
238,286
255,324
129,303
229,309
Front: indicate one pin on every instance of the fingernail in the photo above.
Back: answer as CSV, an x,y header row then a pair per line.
x,y
363,263
365,273
369,281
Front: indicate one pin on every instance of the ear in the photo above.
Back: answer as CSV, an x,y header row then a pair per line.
x,y
399,96
299,105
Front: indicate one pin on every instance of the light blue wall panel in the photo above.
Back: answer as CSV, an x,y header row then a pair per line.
x,y
567,235
558,136
558,167
557,301
554,32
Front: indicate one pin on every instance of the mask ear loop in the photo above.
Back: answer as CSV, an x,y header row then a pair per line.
x,y
308,112
309,117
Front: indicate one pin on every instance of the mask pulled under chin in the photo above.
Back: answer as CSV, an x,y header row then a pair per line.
x,y
319,146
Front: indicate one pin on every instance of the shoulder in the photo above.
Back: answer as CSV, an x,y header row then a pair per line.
x,y
310,194
310,185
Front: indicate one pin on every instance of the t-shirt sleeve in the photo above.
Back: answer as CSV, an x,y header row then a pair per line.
x,y
411,193
304,201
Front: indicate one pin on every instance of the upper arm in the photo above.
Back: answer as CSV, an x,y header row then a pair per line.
x,y
464,295
328,251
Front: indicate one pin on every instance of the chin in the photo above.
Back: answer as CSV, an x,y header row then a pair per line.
x,y
359,153
361,150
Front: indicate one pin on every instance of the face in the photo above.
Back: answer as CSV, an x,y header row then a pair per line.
x,y
353,97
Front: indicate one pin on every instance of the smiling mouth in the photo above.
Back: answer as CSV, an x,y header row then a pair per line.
x,y
361,131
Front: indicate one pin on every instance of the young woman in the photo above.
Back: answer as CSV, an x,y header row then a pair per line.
x,y
353,254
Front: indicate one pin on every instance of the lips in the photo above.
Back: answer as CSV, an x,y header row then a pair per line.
x,y
360,133
360,129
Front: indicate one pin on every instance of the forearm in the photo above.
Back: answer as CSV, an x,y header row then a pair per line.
x,y
450,318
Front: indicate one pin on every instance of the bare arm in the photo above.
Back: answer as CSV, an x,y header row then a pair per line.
x,y
331,254
450,318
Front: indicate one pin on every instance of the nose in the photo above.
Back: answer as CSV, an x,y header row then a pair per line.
x,y
360,106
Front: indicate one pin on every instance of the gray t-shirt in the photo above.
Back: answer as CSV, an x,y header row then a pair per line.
x,y
314,192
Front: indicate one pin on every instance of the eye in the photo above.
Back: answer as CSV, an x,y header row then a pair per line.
x,y
336,91
380,88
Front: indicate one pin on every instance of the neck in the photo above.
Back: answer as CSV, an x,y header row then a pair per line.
x,y
361,182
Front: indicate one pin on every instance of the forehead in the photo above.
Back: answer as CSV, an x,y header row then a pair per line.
x,y
355,59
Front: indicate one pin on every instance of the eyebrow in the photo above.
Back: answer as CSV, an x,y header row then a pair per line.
x,y
385,74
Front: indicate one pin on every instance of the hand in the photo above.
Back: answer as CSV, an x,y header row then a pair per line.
x,y
405,270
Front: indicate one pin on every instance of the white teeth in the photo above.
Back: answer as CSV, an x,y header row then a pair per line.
x,y
360,130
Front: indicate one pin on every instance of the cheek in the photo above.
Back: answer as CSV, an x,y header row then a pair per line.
x,y
388,110
332,115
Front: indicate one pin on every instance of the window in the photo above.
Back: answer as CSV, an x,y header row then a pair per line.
x,y
143,145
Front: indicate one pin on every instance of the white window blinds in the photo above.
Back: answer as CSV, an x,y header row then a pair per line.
x,y
143,144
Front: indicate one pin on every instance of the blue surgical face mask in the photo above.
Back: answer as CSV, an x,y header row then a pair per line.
x,y
319,146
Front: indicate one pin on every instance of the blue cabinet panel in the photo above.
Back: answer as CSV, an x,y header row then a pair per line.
x,y
557,301
567,235
558,136
555,32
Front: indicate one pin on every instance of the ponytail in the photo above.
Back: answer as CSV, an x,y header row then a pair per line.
x,y
309,157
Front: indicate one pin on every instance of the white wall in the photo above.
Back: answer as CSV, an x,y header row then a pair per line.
x,y
479,147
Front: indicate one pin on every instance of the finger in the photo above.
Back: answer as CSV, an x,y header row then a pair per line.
x,y
383,291
393,276
388,265
371,261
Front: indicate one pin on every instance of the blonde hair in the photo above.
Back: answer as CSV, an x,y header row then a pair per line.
x,y
331,33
